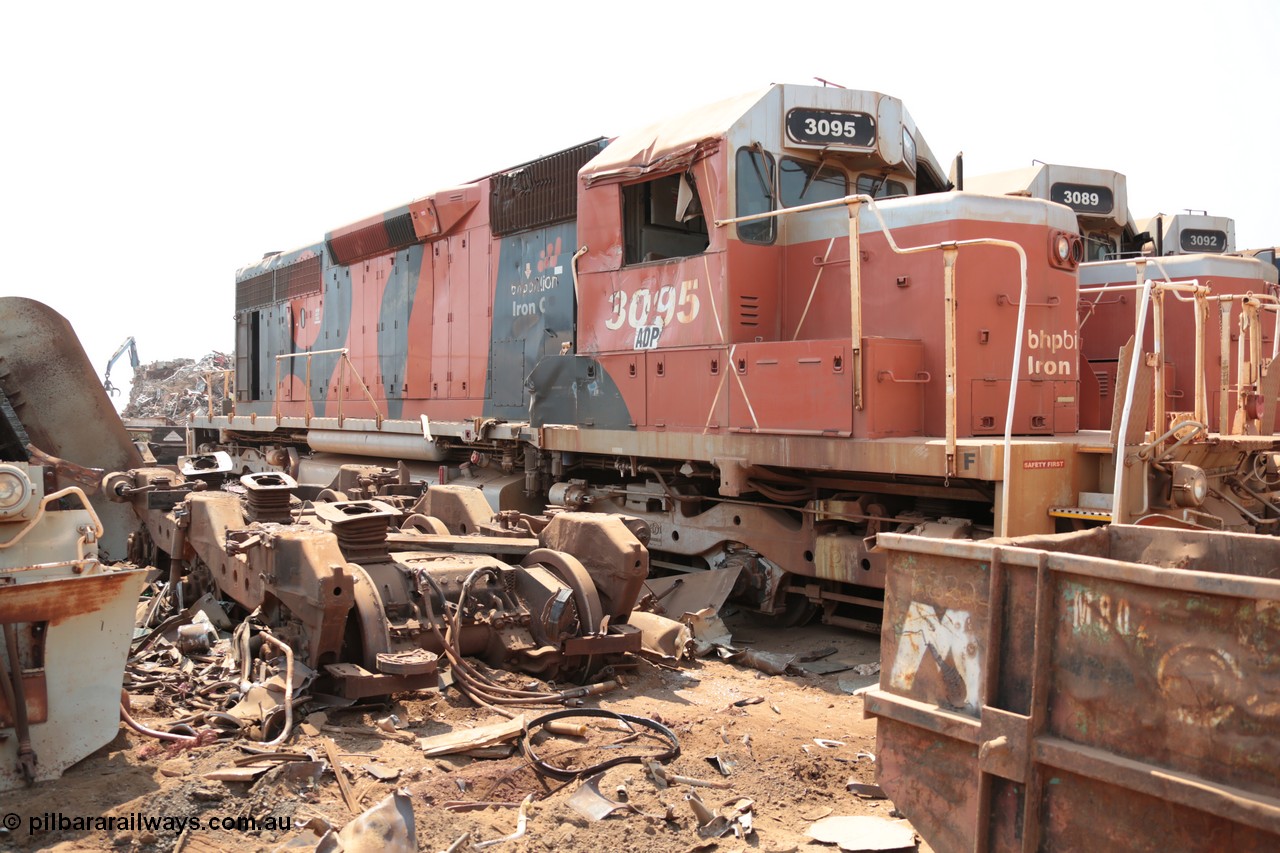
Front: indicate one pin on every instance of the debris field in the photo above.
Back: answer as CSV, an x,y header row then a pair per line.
x,y
765,762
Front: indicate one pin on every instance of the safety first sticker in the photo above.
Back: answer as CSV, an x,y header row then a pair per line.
x,y
1041,464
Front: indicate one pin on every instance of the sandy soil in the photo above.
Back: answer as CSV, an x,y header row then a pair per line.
x,y
768,748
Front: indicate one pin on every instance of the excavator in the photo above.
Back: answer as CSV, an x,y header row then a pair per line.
x,y
129,346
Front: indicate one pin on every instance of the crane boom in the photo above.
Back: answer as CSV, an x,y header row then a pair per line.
x,y
130,346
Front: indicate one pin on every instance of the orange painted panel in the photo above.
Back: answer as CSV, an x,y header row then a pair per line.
x,y
791,386
893,395
688,388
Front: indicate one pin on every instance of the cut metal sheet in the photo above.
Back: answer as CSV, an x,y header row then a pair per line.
x,y
385,828
694,591
593,805
861,832
466,739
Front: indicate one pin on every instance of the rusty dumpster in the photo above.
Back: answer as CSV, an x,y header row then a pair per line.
x,y
1110,689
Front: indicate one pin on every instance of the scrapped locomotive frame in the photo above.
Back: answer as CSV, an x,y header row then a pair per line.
x,y
373,611
1056,692
768,330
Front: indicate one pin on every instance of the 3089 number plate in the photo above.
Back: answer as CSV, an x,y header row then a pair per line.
x,y
1083,198
831,127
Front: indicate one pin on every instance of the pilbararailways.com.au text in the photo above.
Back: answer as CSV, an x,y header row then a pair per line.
x,y
135,822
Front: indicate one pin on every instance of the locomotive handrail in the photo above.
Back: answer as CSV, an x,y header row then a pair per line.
x,y
1002,298
1117,488
950,250
227,384
345,360
1198,294
922,376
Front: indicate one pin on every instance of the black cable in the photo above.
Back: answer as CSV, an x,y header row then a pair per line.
x,y
561,773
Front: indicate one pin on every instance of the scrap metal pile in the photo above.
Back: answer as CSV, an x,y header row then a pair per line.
x,y
174,388
281,610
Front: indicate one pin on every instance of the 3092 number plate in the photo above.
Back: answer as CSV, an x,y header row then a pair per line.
x,y
1202,240
831,127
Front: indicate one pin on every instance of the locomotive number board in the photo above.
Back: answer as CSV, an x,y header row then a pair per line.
x,y
831,127
1202,240
1083,198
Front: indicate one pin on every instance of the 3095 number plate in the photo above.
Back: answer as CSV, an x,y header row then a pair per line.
x,y
831,127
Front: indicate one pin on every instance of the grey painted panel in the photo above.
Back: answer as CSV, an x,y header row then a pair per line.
x,y
575,390
533,305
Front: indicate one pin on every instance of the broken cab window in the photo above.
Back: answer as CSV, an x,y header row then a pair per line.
x,y
662,218
755,182
877,186
806,183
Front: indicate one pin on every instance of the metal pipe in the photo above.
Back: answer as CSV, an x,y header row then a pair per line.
x,y
268,637
27,759
1121,440
50,498
1224,366
398,445
949,254
1147,451
1201,404
6,686
1157,311
573,267
1240,508
855,299
143,730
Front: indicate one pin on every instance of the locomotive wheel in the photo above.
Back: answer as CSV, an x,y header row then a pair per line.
x,y
425,524
575,575
796,611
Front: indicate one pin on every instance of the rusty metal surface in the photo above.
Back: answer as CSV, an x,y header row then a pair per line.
x,y
353,598
73,699
61,403
1064,692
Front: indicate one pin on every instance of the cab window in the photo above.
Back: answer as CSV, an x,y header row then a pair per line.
x,y
662,218
1098,246
877,186
806,183
755,191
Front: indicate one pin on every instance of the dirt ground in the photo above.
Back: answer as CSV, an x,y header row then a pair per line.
x,y
790,753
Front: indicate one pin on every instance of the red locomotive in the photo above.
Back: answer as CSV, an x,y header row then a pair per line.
x,y
668,325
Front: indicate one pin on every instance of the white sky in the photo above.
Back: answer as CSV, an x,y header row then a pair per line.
x,y
152,148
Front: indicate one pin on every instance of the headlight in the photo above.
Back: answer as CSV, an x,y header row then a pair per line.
x,y
15,491
1190,485
1066,250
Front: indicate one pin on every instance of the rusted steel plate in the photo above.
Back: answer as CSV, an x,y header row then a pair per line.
x,y
37,695
60,599
1112,680
90,620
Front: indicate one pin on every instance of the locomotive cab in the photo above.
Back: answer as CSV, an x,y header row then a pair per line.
x,y
1099,197
1190,233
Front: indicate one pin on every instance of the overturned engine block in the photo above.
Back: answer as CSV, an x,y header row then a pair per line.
x,y
371,593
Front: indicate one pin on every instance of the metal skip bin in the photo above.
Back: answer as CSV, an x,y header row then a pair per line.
x,y
1110,689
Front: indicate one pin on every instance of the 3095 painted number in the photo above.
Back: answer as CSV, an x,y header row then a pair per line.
x,y
649,308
